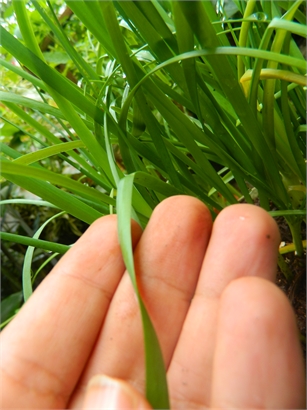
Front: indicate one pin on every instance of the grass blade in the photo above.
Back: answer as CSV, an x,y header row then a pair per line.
x,y
156,384
37,243
26,270
32,157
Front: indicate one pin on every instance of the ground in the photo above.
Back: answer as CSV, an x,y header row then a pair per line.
x,y
296,290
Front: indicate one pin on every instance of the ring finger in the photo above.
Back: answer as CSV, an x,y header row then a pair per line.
x,y
244,242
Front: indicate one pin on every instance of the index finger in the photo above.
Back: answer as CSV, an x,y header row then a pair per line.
x,y
45,348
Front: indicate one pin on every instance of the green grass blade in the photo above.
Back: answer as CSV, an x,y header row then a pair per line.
x,y
287,212
244,34
32,157
290,133
37,243
56,196
269,86
155,184
26,27
11,168
139,201
276,74
8,97
24,74
26,270
27,202
45,263
156,384
9,306
97,152
82,164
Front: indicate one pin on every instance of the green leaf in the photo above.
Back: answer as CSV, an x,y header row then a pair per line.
x,y
6,130
156,384
27,202
57,197
10,305
26,270
11,168
32,157
37,243
286,212
30,103
56,57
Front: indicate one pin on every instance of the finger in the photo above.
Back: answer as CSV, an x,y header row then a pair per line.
x,y
167,261
258,360
46,346
113,394
244,241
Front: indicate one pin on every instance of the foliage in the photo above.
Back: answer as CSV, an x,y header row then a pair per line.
x,y
154,99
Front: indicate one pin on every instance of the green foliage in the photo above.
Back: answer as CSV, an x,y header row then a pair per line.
x,y
164,97
10,305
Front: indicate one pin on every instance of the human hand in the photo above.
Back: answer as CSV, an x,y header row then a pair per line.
x,y
227,333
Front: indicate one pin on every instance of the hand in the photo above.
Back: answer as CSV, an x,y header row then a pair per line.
x,y
227,333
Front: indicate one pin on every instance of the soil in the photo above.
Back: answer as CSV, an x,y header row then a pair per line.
x,y
296,290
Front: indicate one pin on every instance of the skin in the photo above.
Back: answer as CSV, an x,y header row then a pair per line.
x,y
227,333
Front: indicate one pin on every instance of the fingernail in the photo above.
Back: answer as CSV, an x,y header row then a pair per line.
x,y
108,394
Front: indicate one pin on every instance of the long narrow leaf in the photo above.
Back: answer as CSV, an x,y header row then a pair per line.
x,y
156,385
48,152
26,270
37,243
56,196
10,168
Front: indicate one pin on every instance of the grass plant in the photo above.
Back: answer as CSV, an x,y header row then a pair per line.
x,y
202,102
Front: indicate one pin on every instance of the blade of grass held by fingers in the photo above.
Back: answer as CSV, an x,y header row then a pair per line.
x,y
156,384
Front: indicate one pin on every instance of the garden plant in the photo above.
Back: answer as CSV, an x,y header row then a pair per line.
x,y
121,104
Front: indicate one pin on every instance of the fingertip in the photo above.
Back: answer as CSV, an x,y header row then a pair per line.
x,y
106,392
260,298
185,212
181,203
250,237
253,219
256,335
248,300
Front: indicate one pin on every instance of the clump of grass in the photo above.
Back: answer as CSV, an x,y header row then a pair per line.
x,y
197,103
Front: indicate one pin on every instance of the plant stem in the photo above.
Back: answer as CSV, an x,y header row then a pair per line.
x,y
295,228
